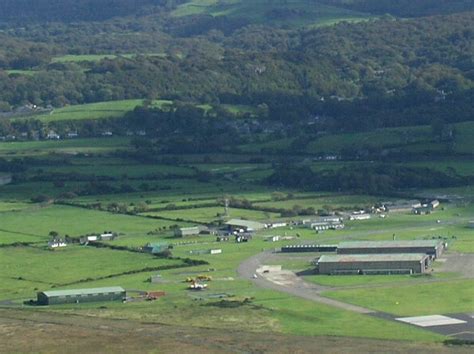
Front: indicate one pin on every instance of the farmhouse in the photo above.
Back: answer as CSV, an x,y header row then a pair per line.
x,y
56,243
240,225
75,296
433,248
400,263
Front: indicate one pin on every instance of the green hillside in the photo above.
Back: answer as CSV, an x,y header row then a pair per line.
x,y
286,12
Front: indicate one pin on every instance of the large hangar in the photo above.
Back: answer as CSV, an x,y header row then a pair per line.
x,y
406,263
74,296
434,248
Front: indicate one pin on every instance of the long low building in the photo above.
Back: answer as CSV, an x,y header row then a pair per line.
x,y
373,264
75,296
245,225
434,248
308,248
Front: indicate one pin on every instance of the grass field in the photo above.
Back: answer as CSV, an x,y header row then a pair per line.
x,y
413,300
214,213
97,57
75,222
100,110
174,192
354,280
293,12
68,147
335,201
416,139
45,269
22,72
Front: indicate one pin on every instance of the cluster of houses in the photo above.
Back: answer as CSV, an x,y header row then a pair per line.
x,y
411,206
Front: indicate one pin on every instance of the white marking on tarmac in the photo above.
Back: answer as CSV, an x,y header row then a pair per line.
x,y
430,321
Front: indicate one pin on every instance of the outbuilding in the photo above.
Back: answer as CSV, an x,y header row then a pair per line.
x,y
434,248
155,248
241,225
404,263
187,231
75,296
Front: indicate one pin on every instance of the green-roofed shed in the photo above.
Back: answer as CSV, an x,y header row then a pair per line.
x,y
75,296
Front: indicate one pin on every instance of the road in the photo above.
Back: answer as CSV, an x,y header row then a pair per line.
x,y
290,283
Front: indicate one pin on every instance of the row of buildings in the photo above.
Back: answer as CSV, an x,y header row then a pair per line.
x,y
381,257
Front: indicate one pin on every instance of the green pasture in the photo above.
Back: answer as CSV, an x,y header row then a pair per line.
x,y
212,213
259,11
376,139
417,139
98,110
22,72
269,310
13,206
456,167
341,281
74,221
98,57
9,237
334,201
48,269
121,171
70,147
413,300
111,109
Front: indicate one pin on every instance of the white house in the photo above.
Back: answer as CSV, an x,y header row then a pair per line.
x,y
56,243
106,235
52,135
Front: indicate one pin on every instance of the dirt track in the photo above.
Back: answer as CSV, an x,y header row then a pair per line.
x,y
40,332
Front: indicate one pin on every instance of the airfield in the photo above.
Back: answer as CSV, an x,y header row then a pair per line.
x,y
144,204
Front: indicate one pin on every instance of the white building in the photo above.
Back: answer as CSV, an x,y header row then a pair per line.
x,y
360,217
57,243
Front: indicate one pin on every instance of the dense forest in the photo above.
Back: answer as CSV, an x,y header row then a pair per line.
x,y
380,72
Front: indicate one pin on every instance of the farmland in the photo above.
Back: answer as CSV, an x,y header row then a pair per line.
x,y
142,202
257,11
